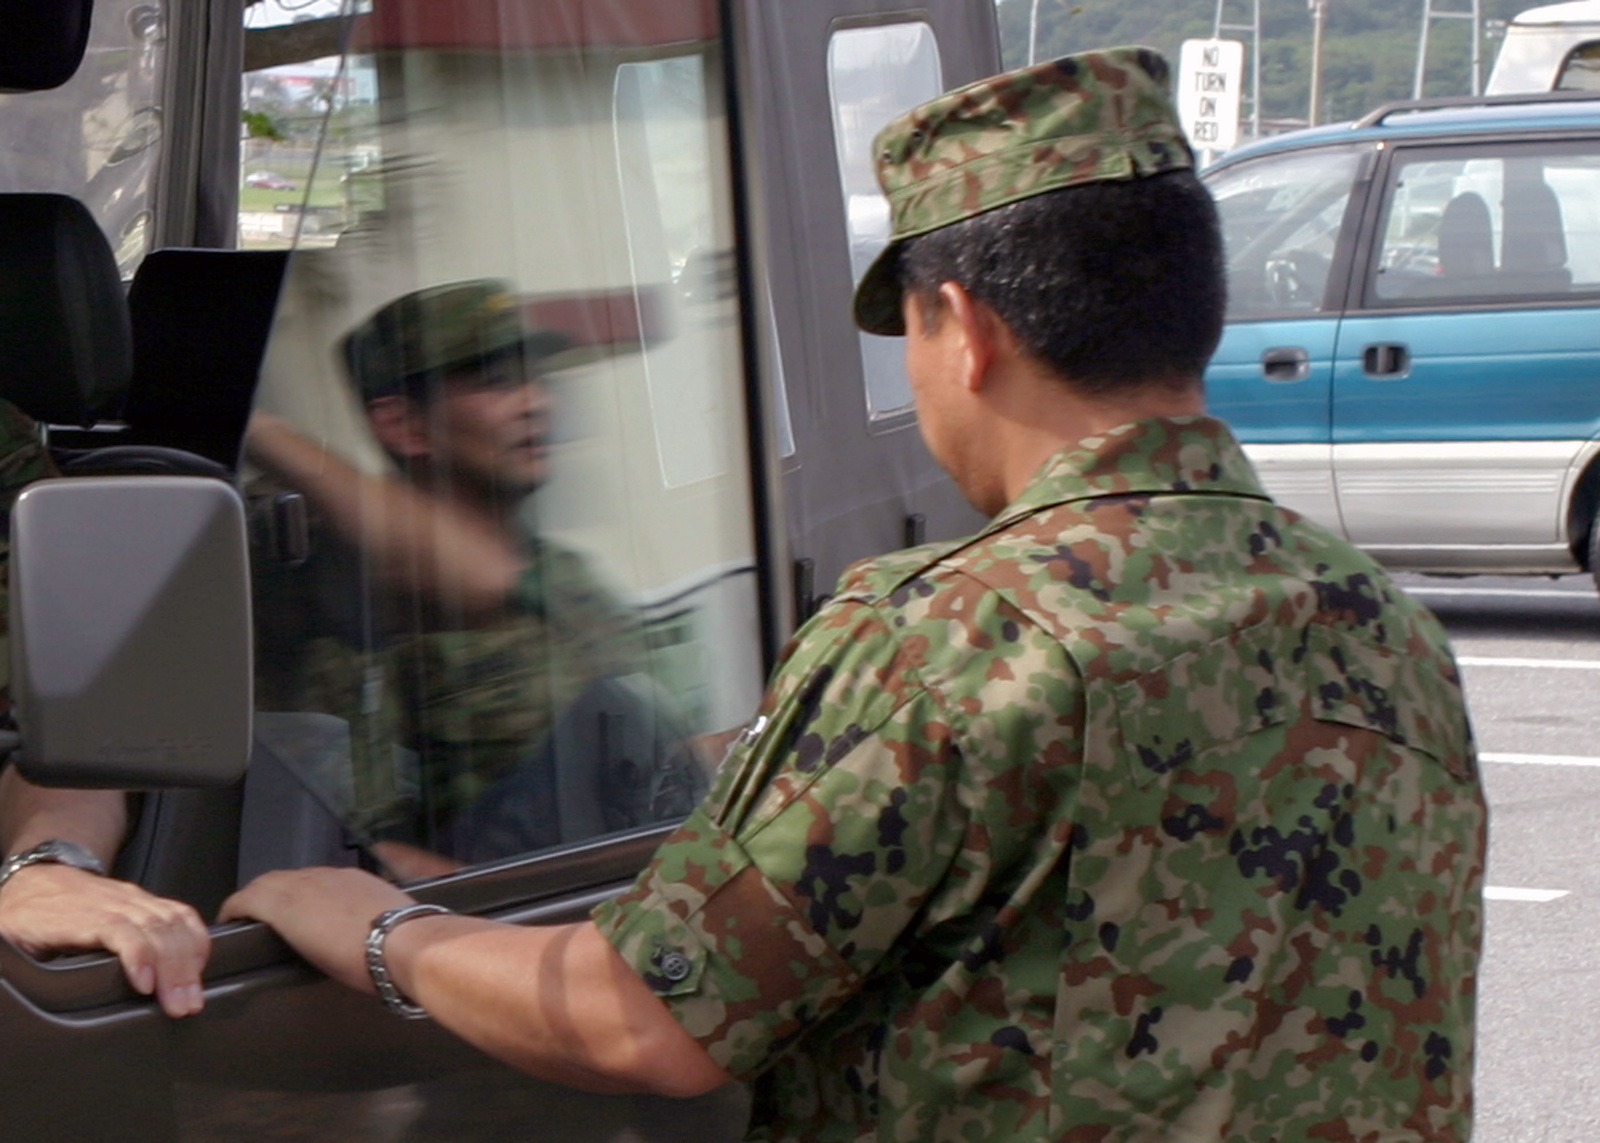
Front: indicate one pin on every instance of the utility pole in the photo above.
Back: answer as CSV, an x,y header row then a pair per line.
x,y
1033,35
1319,20
1219,26
1474,13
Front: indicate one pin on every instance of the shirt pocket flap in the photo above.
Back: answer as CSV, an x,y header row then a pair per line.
x,y
1411,699
1265,675
1211,695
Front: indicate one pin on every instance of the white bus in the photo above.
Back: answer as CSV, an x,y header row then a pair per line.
x,y
1553,48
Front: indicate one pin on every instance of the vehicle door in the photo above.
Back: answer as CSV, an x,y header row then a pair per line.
x,y
579,152
1288,224
856,479
1465,386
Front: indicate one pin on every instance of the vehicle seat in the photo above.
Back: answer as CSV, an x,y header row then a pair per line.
x,y
1533,252
200,321
66,348
1466,246
66,358
66,338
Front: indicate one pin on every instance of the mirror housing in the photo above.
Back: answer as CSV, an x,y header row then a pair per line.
x,y
131,655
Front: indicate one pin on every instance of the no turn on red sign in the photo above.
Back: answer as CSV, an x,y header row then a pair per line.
x,y
1210,92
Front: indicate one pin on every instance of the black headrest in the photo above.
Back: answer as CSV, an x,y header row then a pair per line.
x,y
65,350
43,42
200,324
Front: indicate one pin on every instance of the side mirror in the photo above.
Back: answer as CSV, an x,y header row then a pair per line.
x,y
131,656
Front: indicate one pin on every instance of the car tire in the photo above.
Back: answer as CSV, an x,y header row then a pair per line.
x,y
1593,552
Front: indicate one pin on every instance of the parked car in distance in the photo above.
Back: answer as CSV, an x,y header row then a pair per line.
x,y
1412,354
268,180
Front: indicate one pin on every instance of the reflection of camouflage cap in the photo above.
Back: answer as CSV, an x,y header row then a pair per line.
x,y
441,328
1095,117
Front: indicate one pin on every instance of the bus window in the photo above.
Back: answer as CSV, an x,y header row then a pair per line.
x,y
666,164
512,360
1580,71
113,106
874,74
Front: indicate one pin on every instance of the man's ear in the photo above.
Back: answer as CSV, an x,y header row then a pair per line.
x,y
400,425
979,330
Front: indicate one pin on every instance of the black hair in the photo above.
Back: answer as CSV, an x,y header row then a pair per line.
x,y
1112,285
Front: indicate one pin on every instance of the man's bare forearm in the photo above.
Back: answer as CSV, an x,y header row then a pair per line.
x,y
29,814
557,1002
413,538
49,908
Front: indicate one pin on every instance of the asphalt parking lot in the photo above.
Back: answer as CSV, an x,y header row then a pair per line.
x,y
1530,653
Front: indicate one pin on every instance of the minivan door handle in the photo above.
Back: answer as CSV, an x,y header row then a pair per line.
x,y
1286,363
1386,360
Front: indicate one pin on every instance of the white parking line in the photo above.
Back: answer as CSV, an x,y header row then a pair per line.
x,y
1515,592
1538,896
1552,664
1541,759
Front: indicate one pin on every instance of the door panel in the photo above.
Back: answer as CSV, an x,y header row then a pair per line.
x,y
1270,382
447,116
856,484
1287,227
386,699
281,1052
1467,385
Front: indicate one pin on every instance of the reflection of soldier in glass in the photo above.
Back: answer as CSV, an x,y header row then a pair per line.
x,y
495,693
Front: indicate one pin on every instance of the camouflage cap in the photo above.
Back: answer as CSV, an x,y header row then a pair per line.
x,y
441,328
1094,117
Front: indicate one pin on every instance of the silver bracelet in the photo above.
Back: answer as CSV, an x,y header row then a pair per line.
x,y
378,968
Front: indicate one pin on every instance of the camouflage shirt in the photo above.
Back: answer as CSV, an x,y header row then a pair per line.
x,y
453,731
1150,813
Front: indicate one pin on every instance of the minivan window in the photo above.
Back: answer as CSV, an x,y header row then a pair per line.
x,y
1281,220
1482,223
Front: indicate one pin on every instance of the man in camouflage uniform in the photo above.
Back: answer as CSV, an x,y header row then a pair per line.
x,y
485,648
1149,813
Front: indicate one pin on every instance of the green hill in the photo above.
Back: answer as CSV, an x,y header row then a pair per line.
x,y
1369,54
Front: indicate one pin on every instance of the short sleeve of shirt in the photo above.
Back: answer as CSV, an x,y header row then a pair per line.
x,y
830,822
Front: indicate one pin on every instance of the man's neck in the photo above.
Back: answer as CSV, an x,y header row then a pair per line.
x,y
1040,419
494,508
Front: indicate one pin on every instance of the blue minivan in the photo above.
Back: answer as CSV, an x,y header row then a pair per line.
x,y
1412,355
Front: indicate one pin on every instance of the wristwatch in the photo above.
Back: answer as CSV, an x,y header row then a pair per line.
x,y
378,968
56,852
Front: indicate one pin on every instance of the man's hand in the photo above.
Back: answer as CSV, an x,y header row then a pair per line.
x,y
162,944
324,913
411,862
